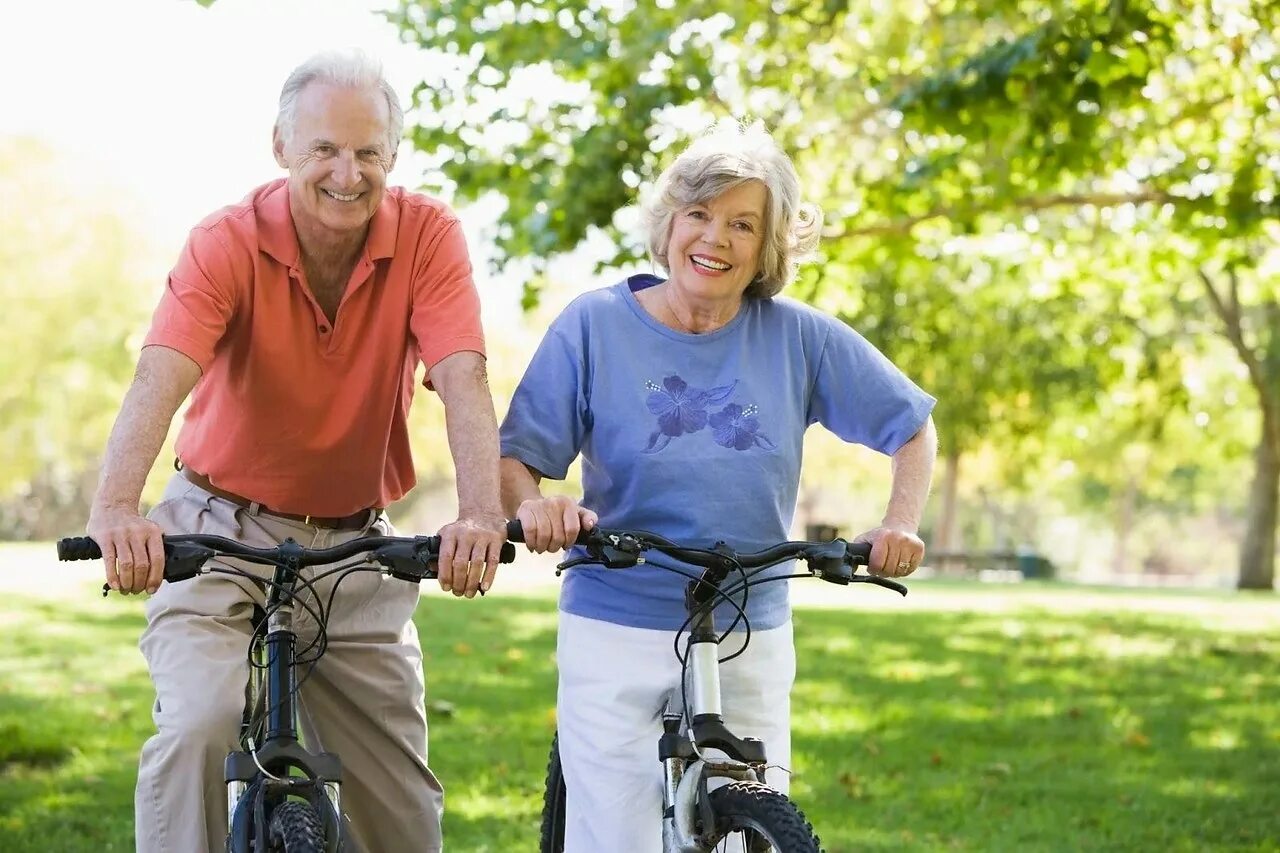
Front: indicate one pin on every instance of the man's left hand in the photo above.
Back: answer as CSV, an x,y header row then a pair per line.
x,y
895,551
469,551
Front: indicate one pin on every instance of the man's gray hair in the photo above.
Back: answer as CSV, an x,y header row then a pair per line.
x,y
729,155
351,68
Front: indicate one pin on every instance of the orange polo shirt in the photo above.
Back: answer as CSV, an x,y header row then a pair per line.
x,y
301,417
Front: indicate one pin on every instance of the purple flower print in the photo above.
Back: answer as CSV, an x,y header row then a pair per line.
x,y
738,428
680,408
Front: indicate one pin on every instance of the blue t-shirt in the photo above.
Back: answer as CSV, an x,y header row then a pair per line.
x,y
696,437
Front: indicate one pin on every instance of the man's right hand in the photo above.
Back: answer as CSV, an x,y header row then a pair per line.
x,y
552,524
132,549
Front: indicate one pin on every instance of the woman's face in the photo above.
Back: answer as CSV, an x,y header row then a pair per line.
x,y
714,250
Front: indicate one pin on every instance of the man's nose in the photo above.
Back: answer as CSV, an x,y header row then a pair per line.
x,y
346,171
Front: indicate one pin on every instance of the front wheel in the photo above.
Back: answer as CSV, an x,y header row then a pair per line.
x,y
761,819
296,828
553,798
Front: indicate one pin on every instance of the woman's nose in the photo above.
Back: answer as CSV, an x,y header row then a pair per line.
x,y
714,234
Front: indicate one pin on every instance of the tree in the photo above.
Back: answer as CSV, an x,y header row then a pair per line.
x,y
76,296
936,133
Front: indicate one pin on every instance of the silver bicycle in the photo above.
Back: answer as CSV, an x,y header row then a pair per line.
x,y
740,812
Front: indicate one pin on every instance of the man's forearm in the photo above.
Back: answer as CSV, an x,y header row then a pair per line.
x,y
472,430
912,474
162,381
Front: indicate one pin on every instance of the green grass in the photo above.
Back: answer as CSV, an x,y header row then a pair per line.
x,y
1028,729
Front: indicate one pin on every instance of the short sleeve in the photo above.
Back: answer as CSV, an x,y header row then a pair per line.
x,y
862,397
198,300
550,414
445,315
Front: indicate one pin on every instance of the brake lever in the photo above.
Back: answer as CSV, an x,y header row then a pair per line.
x,y
612,552
182,561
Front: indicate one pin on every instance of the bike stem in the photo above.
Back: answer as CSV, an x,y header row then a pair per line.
x,y
280,646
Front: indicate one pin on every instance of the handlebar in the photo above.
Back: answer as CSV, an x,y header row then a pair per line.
x,y
833,561
408,558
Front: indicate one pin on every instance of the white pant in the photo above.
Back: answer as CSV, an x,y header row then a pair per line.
x,y
614,682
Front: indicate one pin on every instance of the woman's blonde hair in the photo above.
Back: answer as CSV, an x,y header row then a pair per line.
x,y
728,155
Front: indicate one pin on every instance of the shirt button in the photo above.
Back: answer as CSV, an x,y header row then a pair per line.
x,y
324,330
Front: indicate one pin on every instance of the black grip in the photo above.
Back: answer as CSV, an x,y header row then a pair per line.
x,y
859,551
78,548
515,533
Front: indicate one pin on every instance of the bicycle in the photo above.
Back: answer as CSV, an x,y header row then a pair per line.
x,y
281,797
697,818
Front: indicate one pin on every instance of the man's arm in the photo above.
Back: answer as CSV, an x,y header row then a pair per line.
x,y
132,551
896,549
470,546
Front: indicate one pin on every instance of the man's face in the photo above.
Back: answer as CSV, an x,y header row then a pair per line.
x,y
338,155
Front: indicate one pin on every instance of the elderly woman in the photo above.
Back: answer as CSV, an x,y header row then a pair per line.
x,y
688,399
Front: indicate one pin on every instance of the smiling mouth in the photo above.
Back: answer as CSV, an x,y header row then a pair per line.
x,y
342,196
709,265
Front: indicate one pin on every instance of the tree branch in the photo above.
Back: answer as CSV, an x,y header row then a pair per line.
x,y
1228,310
904,226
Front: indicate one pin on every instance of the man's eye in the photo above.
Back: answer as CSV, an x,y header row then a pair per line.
x,y
326,150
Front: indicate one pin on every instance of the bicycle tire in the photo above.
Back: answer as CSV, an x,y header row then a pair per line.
x,y
768,820
553,803
296,828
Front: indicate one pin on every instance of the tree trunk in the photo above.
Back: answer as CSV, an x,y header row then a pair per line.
x,y
945,539
1124,525
1258,552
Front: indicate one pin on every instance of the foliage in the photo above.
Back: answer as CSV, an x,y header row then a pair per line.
x,y
76,299
1042,729
1022,197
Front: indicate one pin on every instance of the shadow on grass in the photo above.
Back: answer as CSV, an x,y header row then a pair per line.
x,y
1035,731
913,730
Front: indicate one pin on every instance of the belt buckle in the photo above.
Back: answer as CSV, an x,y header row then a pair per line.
x,y
307,520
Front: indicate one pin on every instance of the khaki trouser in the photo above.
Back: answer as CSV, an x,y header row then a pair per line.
x,y
363,701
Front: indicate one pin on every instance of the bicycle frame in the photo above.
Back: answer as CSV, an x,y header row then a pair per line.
x,y
685,769
265,771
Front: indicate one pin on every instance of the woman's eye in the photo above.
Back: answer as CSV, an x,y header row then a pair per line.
x,y
697,214
743,226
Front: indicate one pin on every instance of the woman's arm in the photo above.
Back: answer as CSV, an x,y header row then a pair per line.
x,y
550,523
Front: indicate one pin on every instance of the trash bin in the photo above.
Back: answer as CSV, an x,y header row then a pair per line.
x,y
821,532
1033,565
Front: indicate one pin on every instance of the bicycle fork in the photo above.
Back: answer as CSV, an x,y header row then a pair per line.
x,y
685,769
278,734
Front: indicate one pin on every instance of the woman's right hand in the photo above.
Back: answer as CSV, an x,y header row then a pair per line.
x,y
552,524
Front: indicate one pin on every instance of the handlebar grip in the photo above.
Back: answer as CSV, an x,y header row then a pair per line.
x,y
515,533
859,551
78,548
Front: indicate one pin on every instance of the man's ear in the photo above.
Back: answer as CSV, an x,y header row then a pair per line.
x,y
277,147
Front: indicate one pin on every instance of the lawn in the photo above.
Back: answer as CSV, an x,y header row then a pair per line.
x,y
1022,728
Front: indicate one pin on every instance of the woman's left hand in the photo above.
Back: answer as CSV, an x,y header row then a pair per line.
x,y
895,551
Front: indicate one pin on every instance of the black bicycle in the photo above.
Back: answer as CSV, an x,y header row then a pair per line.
x,y
694,816
281,797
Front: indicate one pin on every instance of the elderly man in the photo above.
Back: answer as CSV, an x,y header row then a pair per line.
x,y
295,319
